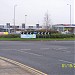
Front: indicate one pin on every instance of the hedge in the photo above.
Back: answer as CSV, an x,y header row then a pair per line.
x,y
62,35
10,36
41,36
56,36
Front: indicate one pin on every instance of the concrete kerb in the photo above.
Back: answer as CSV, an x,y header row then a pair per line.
x,y
29,69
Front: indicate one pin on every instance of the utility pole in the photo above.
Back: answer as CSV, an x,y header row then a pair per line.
x,y
70,12
14,19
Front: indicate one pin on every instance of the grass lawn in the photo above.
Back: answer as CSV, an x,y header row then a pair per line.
x,y
37,39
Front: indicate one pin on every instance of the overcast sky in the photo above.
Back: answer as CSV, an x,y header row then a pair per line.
x,y
35,10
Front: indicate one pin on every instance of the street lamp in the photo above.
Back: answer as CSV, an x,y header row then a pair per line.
x,y
70,12
14,18
25,20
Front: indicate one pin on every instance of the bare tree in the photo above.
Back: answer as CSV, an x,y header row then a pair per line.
x,y
47,21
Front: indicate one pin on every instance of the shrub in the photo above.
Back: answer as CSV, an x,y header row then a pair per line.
x,y
62,35
10,36
56,36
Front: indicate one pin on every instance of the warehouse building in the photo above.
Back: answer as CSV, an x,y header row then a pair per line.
x,y
65,28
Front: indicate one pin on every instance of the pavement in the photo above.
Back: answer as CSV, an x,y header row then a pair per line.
x,y
7,68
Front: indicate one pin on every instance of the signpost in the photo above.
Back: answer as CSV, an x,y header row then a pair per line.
x,y
35,34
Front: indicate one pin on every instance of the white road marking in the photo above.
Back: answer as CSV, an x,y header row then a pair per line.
x,y
62,50
8,49
29,53
44,48
66,61
15,49
25,49
66,51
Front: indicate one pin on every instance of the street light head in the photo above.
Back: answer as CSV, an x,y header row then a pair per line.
x,y
68,4
25,15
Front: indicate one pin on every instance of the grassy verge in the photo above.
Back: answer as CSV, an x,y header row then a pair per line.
x,y
37,39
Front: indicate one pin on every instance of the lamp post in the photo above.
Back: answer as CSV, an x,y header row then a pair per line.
x,y
14,18
70,12
25,20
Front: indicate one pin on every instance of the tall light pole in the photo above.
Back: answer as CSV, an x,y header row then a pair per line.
x,y
25,20
70,12
14,18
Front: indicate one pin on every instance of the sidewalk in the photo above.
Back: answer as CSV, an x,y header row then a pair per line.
x,y
7,68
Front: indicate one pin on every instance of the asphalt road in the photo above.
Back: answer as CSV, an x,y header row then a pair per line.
x,y
46,56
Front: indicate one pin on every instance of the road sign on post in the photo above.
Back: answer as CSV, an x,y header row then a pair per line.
x,y
28,35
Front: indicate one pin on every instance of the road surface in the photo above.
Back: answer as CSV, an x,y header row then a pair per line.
x,y
46,56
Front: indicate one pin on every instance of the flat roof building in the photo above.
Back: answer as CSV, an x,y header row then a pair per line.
x,y
64,27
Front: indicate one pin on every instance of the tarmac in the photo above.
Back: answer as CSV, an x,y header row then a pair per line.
x,y
7,68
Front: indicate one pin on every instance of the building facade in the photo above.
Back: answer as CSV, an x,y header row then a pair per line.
x,y
10,28
67,28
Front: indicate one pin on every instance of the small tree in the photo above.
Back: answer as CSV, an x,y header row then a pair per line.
x,y
47,21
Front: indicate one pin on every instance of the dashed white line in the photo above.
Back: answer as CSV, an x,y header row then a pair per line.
x,y
62,50
66,51
15,49
44,48
25,49
29,53
66,61
33,54
8,49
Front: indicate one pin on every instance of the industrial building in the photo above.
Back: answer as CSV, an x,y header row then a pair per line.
x,y
64,28
11,28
